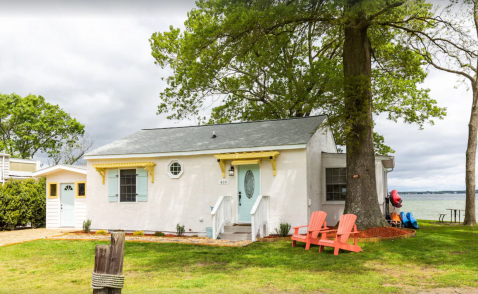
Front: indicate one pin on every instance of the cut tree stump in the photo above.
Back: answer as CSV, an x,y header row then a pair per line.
x,y
109,260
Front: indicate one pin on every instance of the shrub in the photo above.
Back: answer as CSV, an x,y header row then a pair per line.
x,y
87,225
159,234
283,230
180,230
101,232
23,203
138,233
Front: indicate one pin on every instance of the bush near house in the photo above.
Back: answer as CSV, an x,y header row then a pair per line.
x,y
22,203
138,233
87,225
283,229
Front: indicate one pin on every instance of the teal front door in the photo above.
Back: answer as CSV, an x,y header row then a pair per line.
x,y
67,205
249,187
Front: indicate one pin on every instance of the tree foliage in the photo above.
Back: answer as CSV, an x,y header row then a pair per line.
x,y
30,124
23,202
256,60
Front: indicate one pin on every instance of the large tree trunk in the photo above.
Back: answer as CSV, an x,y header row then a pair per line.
x,y
470,217
362,197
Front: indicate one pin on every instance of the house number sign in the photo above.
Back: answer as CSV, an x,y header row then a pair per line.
x,y
355,176
224,182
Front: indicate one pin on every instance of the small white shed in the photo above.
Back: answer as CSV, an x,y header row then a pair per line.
x,y
65,195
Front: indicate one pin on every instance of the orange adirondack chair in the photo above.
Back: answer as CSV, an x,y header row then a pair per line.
x,y
346,228
317,223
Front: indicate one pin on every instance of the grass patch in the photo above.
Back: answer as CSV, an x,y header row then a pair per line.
x,y
439,257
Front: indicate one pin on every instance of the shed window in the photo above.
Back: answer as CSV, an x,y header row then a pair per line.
x,y
80,189
53,190
336,184
128,185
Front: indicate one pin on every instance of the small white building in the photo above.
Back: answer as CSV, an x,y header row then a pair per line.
x,y
65,195
258,173
16,169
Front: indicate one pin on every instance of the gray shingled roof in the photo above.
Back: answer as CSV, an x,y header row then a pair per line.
x,y
232,135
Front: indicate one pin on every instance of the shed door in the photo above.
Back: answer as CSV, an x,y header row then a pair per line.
x,y
67,207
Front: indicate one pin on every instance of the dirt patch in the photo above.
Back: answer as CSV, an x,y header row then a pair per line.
x,y
14,237
449,291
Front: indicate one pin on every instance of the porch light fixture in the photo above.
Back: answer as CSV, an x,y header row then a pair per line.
x,y
231,171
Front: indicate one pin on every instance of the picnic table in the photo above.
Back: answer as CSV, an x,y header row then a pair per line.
x,y
454,210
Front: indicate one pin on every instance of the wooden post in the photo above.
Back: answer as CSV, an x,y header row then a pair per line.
x,y
109,260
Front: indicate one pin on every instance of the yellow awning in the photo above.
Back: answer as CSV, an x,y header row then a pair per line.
x,y
101,167
246,162
240,158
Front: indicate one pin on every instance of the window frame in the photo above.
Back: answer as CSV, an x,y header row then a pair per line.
x,y
324,185
119,186
168,169
77,189
49,190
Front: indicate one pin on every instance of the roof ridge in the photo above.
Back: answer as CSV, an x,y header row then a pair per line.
x,y
235,123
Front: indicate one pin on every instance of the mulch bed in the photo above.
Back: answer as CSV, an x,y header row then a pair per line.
x,y
368,235
380,232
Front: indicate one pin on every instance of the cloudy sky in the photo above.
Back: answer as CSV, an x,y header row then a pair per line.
x,y
93,59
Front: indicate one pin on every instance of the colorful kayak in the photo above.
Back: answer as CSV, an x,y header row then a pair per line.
x,y
396,199
405,220
413,221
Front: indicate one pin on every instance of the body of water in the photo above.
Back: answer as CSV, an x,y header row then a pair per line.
x,y
429,206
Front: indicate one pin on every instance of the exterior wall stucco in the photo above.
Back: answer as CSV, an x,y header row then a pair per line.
x,y
53,204
321,141
188,199
335,209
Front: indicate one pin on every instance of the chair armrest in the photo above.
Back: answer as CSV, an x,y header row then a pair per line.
x,y
348,233
299,227
327,231
319,230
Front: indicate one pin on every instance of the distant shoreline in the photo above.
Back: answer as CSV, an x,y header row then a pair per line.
x,y
434,192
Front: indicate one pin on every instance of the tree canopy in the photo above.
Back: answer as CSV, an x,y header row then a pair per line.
x,y
256,60
30,124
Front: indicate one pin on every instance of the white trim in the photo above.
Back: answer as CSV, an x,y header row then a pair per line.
x,y
23,160
186,153
324,184
168,169
21,174
54,168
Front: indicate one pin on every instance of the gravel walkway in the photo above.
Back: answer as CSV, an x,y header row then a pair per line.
x,y
19,236
152,239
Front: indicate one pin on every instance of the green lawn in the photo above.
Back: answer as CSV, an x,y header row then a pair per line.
x,y
439,257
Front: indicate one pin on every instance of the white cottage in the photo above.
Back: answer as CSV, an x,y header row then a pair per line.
x,y
255,173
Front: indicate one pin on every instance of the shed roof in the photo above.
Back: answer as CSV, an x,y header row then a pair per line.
x,y
81,169
228,136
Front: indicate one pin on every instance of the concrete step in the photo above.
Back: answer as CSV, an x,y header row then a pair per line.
x,y
236,236
232,229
